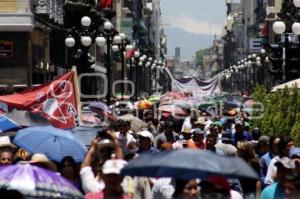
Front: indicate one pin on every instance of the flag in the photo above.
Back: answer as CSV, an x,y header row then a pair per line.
x,y
129,54
105,3
55,100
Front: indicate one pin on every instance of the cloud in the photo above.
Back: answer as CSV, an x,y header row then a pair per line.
x,y
191,25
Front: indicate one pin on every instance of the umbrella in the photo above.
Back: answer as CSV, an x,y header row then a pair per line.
x,y
37,182
183,104
248,106
106,115
26,118
249,103
231,104
84,134
171,108
188,164
6,123
154,98
144,104
16,119
206,104
136,124
91,119
53,142
100,105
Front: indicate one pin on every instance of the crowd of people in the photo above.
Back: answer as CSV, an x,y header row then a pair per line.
x,y
275,159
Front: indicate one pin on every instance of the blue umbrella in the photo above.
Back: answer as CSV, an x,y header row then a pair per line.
x,y
188,164
6,123
231,104
85,134
53,142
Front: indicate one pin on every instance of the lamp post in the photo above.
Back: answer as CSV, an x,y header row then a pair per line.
x,y
105,39
122,44
141,77
279,28
81,46
263,59
152,81
79,40
136,58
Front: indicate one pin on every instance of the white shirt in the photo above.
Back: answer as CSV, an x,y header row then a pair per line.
x,y
89,181
163,188
272,170
235,195
186,124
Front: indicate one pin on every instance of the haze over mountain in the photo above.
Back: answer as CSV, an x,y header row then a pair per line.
x,y
189,43
192,24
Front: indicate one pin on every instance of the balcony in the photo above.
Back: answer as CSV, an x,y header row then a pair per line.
x,y
16,16
15,6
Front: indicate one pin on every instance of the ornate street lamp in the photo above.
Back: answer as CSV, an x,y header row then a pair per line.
x,y
122,44
279,27
137,55
105,39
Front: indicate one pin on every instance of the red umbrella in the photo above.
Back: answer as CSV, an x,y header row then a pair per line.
x,y
90,118
170,97
171,108
105,114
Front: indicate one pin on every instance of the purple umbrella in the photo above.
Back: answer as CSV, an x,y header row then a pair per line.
x,y
37,182
100,105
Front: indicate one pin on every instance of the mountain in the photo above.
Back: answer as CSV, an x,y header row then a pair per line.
x,y
189,43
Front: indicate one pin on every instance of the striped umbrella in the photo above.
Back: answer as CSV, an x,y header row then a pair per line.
x,y
53,142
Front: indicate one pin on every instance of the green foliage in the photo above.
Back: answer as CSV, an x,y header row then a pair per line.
x,y
281,112
199,55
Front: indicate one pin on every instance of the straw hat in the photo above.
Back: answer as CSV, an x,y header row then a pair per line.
x,y
187,130
42,160
201,120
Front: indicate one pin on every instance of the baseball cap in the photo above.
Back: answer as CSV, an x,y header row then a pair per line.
x,y
113,166
294,151
146,134
286,162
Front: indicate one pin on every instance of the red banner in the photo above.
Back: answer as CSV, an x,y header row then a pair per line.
x,y
105,3
55,101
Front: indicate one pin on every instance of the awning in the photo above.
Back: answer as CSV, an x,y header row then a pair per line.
x,y
290,84
16,22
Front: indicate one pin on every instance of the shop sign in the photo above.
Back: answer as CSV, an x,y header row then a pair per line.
x,y
6,48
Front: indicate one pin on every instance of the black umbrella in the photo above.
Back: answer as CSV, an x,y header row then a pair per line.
x,y
188,164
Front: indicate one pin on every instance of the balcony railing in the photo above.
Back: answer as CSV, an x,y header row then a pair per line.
x,y
15,6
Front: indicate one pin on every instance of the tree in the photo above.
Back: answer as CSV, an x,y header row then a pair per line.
x,y
282,112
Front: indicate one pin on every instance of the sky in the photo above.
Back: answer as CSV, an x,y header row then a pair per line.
x,y
192,24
